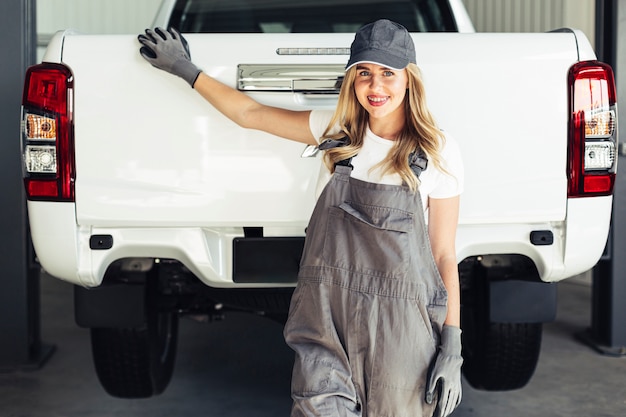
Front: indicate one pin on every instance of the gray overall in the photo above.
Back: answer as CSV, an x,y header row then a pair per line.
x,y
366,315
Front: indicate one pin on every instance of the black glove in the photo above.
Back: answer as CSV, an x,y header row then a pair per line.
x,y
169,51
447,372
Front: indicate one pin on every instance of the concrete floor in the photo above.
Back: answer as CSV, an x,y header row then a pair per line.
x,y
241,367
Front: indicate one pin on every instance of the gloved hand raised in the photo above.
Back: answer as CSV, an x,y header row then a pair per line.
x,y
169,51
446,373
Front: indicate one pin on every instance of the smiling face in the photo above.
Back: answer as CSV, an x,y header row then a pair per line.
x,y
381,92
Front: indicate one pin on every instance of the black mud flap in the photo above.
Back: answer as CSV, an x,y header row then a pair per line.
x,y
112,305
517,301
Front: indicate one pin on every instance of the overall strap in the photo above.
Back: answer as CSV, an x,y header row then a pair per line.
x,y
418,161
337,143
333,143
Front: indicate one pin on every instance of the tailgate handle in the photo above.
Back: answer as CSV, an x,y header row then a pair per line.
x,y
308,79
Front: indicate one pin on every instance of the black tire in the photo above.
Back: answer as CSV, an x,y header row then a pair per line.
x,y
497,356
504,358
137,362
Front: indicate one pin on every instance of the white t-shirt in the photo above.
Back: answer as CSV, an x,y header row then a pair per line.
x,y
434,183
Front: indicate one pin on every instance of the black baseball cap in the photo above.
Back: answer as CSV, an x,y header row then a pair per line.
x,y
382,42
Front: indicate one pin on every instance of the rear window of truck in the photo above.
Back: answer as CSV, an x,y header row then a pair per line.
x,y
308,16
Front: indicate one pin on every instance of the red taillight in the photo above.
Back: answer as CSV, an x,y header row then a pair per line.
x,y
592,151
48,133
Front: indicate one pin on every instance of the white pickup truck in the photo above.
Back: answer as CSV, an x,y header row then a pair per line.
x,y
156,206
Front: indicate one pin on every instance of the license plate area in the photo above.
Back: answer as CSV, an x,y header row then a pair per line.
x,y
262,260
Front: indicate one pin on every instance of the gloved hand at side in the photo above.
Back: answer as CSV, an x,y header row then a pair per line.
x,y
446,373
168,50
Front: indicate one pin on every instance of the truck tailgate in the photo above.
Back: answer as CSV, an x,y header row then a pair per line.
x,y
151,152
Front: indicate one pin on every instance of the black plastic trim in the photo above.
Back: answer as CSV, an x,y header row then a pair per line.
x,y
267,259
101,242
541,237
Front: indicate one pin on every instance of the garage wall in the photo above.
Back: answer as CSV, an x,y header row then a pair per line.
x,y
95,16
532,15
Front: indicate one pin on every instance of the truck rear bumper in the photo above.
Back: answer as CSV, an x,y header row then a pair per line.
x,y
67,251
578,242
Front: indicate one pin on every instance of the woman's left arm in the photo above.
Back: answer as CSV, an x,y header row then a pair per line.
x,y
443,217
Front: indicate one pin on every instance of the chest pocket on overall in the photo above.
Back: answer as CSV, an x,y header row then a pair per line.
x,y
368,239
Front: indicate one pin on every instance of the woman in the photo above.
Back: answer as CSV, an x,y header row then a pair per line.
x,y
375,317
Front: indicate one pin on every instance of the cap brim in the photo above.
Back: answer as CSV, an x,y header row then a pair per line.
x,y
378,57
376,63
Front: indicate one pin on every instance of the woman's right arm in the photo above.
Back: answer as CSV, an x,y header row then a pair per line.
x,y
168,50
248,113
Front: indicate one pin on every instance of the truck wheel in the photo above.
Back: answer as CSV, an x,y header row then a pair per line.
x,y
501,356
137,362
498,356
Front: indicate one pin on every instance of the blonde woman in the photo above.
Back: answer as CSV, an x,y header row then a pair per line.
x,y
375,317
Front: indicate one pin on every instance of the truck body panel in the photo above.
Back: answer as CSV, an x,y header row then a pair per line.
x,y
152,157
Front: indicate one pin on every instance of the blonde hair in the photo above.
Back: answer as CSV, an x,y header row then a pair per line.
x,y
420,130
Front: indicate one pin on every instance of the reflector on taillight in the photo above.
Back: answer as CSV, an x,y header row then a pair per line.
x,y
592,158
48,133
